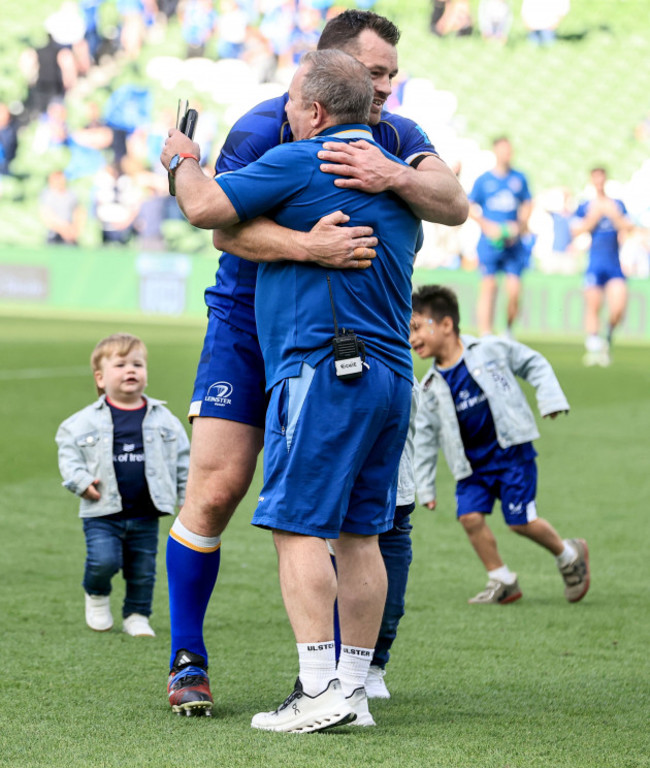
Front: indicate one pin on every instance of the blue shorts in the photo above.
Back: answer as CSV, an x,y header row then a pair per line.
x,y
332,451
512,260
516,486
598,277
230,382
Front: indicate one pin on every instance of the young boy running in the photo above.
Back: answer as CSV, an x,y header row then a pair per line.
x,y
472,406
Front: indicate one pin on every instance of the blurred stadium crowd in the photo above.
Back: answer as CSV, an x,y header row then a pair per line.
x,y
79,146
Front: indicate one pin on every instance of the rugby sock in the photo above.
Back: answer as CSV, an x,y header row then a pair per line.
x,y
503,574
192,569
353,667
317,665
610,333
568,555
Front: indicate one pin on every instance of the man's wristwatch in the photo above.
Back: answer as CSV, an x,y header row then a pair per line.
x,y
178,159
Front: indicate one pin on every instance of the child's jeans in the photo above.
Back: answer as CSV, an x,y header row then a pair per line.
x,y
397,552
130,545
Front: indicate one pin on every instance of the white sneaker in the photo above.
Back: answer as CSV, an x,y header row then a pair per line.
x,y
597,352
302,713
137,625
358,700
375,685
98,612
604,359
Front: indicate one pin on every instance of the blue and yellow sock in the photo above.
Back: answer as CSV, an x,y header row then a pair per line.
x,y
192,570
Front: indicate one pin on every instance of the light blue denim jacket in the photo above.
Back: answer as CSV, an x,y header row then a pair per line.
x,y
493,363
85,443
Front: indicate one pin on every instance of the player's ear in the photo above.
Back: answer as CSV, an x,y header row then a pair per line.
x,y
318,114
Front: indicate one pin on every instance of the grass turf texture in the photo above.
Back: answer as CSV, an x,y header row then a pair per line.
x,y
539,683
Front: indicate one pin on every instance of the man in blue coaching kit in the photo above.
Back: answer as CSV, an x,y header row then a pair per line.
x,y
227,431
333,440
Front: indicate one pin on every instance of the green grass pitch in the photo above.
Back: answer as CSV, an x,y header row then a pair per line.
x,y
540,683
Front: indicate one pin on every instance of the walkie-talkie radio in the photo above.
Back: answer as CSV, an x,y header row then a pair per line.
x,y
349,349
186,120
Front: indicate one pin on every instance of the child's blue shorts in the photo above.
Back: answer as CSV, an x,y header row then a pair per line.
x,y
230,381
332,451
516,486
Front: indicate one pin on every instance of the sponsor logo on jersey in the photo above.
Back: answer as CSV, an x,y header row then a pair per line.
x,y
219,393
466,402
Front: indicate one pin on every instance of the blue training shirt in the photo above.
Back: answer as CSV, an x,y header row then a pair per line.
x,y
604,250
293,309
263,127
500,197
476,424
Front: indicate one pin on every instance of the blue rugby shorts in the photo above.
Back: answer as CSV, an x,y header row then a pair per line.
x,y
230,382
599,276
512,260
332,451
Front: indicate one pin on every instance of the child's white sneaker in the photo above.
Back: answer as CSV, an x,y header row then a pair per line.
x,y
98,612
137,625
375,685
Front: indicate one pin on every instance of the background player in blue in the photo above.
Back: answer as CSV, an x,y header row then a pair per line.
x,y
501,204
332,446
605,219
472,406
229,400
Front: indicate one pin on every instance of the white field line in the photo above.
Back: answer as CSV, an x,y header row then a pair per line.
x,y
44,373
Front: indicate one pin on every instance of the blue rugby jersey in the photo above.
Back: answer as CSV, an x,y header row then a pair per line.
x,y
476,424
294,313
604,250
500,197
232,296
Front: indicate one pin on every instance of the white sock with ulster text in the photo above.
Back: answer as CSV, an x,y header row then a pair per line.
x,y
353,667
317,665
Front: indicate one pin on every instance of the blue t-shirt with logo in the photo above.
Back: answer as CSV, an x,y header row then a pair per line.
x,y
476,424
500,197
293,306
128,462
262,128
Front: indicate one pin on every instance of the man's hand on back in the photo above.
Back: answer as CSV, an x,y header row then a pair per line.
x,y
360,164
331,244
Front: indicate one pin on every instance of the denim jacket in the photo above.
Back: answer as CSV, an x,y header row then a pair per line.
x,y
85,443
493,363
406,477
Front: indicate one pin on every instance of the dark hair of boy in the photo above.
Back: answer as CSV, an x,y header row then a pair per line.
x,y
438,302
